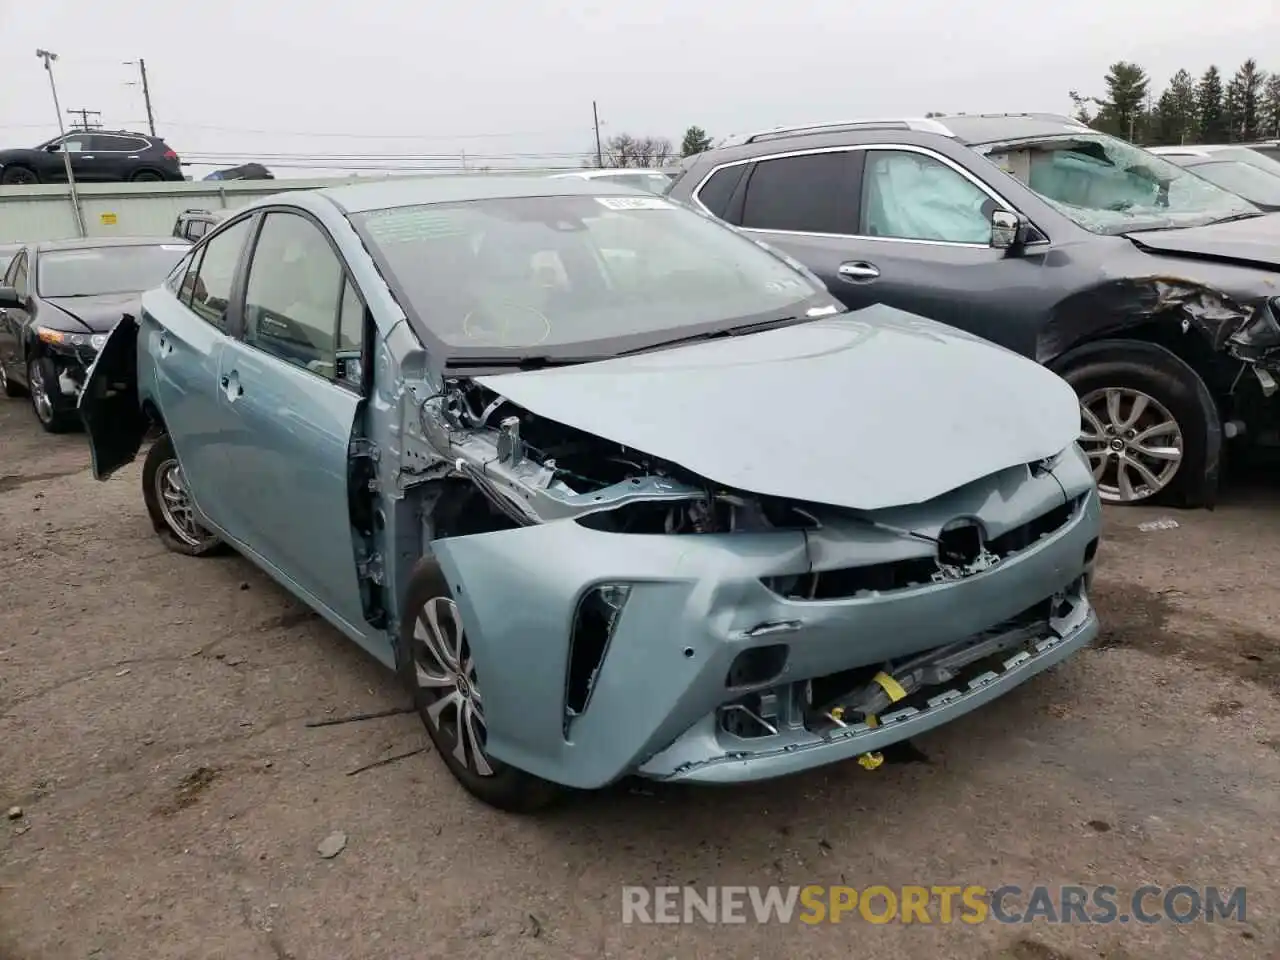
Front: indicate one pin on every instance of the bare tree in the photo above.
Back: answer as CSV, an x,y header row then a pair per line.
x,y
624,150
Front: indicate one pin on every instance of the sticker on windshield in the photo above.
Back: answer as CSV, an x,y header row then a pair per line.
x,y
634,203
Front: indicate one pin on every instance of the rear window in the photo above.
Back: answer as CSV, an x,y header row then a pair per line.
x,y
93,271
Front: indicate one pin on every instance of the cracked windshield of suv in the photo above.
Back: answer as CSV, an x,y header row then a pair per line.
x,y
1109,186
547,272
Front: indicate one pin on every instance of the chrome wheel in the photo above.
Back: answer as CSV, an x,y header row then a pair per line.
x,y
446,674
40,399
1133,443
176,507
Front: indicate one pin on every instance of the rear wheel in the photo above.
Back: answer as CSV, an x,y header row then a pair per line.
x,y
169,504
14,176
146,176
437,667
1147,424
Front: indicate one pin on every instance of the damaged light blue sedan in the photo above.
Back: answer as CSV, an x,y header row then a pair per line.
x,y
615,489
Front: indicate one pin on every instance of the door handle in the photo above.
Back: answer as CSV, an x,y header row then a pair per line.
x,y
86,156
230,384
858,272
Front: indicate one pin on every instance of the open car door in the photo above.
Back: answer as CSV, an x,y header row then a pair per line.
x,y
109,403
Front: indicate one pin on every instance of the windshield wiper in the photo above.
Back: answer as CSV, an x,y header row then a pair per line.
x,y
1238,216
539,361
738,331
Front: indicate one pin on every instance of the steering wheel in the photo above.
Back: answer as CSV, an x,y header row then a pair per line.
x,y
506,324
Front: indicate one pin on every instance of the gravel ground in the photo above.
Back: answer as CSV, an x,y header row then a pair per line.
x,y
153,715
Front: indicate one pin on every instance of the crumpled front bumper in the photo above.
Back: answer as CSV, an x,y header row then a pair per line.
x,y
698,601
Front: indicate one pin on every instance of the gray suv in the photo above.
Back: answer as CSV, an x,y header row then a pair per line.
x,y
1150,290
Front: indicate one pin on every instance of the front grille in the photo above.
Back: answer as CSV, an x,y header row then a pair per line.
x,y
846,582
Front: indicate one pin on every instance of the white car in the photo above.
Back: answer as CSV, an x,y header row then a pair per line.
x,y
654,181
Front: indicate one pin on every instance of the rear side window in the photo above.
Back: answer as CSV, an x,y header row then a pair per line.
x,y
103,141
207,289
197,229
808,194
718,191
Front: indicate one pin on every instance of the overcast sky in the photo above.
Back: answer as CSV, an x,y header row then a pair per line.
x,y
250,78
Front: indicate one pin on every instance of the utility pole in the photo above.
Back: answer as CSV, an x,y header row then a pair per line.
x,y
48,58
595,115
84,119
146,92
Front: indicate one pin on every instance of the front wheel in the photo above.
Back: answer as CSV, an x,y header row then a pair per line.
x,y
169,503
46,396
7,386
1148,425
436,665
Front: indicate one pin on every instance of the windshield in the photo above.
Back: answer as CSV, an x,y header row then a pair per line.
x,y
1109,186
1247,181
575,275
92,271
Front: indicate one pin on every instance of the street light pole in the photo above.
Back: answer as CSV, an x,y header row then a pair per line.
x,y
46,56
48,59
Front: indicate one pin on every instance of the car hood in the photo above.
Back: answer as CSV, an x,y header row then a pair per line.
x,y
98,313
1252,242
867,410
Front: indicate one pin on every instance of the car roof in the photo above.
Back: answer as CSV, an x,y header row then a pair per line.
x,y
980,128
408,192
90,243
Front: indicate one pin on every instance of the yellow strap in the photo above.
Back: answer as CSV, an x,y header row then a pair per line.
x,y
890,686
870,761
871,721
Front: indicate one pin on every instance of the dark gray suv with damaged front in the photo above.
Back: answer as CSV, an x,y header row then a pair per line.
x,y
1153,292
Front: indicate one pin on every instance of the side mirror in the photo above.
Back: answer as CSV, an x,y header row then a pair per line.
x,y
9,299
1008,230
53,147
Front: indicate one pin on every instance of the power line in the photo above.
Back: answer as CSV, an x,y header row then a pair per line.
x,y
367,136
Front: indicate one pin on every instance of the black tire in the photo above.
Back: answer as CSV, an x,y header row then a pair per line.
x,y
160,458
42,384
14,175
146,176
7,386
505,787
1168,380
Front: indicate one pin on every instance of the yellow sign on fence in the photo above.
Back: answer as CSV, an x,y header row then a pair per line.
x,y
107,219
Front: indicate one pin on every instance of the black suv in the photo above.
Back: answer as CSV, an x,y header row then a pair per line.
x,y
96,156
1153,292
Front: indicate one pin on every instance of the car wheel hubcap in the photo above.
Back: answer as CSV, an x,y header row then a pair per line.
x,y
39,395
175,505
4,378
446,674
1133,443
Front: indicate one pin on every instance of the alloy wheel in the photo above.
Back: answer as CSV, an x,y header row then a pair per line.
x,y
176,507
40,399
445,673
1133,443
4,379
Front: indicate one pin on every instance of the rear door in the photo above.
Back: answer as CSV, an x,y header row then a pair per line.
x,y
292,392
185,332
116,157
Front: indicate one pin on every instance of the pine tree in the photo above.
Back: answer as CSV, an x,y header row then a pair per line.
x,y
695,141
1209,107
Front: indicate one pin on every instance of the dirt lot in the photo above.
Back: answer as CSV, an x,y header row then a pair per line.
x,y
152,729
